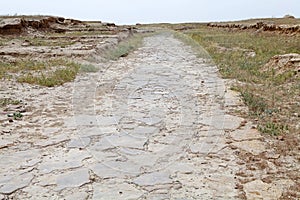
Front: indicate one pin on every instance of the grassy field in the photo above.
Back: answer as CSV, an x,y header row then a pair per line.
x,y
273,100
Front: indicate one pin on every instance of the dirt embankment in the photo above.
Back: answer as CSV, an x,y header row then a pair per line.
x,y
43,37
26,24
285,25
280,64
20,25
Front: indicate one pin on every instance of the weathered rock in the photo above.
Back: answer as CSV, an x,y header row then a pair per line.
x,y
207,146
114,190
11,26
8,184
52,141
18,25
259,26
126,140
221,121
73,179
38,192
284,63
5,143
289,17
79,142
253,146
260,190
245,134
77,195
71,159
155,178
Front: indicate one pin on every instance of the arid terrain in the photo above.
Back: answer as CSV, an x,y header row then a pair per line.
x,y
92,110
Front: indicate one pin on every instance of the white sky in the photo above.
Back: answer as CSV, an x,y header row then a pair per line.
x,y
147,11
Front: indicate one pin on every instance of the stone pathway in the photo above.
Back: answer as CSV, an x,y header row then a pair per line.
x,y
154,125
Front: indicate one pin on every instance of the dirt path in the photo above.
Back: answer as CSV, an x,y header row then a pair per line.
x,y
154,125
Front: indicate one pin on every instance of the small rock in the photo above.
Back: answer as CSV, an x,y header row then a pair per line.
x,y
224,165
25,44
6,131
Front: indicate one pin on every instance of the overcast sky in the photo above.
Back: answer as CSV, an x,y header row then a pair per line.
x,y
146,11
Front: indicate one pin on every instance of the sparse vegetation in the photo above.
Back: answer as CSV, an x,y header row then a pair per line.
x,y
15,115
201,52
50,73
88,68
51,79
62,42
8,101
272,128
273,100
124,48
257,105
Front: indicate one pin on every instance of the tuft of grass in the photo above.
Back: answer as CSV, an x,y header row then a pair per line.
x,y
256,104
274,129
8,101
17,115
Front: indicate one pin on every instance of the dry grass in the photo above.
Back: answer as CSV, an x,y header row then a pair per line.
x,y
61,42
8,101
124,47
50,73
273,101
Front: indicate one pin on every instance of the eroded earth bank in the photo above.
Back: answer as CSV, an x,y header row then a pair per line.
x,y
153,125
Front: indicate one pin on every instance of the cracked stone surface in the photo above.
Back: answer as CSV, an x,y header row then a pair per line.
x,y
153,125
72,179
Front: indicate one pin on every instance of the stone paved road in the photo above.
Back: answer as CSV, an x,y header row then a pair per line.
x,y
153,125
